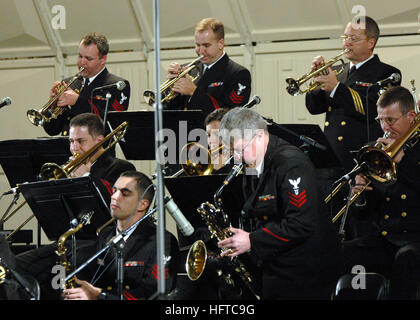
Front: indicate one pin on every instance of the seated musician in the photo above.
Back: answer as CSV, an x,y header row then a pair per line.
x,y
133,194
86,130
92,56
392,247
294,244
220,156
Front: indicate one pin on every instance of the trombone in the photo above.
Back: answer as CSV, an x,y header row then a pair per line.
x,y
50,110
294,86
52,171
165,88
379,160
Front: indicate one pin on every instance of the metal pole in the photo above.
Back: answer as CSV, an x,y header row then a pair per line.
x,y
160,228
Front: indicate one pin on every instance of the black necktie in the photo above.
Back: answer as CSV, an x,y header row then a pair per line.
x,y
352,69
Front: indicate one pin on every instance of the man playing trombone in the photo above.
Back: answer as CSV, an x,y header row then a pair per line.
x,y
86,131
222,82
392,247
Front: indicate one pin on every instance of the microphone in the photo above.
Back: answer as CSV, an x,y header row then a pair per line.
x,y
232,174
362,167
254,100
5,102
120,85
183,224
393,78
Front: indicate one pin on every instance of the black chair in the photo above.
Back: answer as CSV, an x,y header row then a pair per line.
x,y
372,286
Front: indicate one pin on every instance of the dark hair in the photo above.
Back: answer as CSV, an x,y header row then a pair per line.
x,y
213,24
371,28
94,124
215,115
143,183
399,95
99,39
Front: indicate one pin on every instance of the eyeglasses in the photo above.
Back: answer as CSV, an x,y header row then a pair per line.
x,y
351,39
389,121
238,153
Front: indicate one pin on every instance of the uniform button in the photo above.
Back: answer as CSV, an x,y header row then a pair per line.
x,y
127,287
384,233
403,214
65,133
386,217
327,123
340,138
403,196
343,123
265,218
388,199
109,288
68,118
329,108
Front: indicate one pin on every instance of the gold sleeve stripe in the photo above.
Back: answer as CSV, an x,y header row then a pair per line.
x,y
357,101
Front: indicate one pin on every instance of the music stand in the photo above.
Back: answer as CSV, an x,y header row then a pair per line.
x,y
322,156
191,191
56,203
22,159
140,137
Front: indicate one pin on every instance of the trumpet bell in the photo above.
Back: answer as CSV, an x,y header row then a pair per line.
x,y
293,87
149,97
35,117
196,260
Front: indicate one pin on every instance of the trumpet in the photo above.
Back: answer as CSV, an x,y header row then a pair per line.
x,y
52,171
379,159
165,88
294,86
50,110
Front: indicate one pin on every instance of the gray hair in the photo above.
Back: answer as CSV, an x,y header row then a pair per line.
x,y
240,123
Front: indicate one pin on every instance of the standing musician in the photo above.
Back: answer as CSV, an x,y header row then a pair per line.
x,y
222,82
392,247
349,118
93,51
133,194
86,130
219,158
296,246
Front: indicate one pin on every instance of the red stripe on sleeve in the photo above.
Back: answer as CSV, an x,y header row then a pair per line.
x,y
275,236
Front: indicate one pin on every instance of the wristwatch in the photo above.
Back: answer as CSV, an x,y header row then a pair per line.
x,y
103,295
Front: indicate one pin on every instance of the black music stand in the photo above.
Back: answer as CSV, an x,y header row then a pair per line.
x,y
191,191
140,136
56,203
22,159
317,147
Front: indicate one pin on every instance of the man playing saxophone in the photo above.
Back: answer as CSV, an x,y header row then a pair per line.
x,y
392,248
133,194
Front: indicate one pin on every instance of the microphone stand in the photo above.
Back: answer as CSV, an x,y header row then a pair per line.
x,y
118,243
306,140
107,97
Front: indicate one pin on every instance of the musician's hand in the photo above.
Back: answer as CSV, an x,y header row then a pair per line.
x,y
237,244
360,182
185,86
317,63
81,170
386,142
328,81
173,70
86,291
68,98
53,91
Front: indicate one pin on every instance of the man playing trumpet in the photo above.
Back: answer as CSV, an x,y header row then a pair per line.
x,y
222,82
